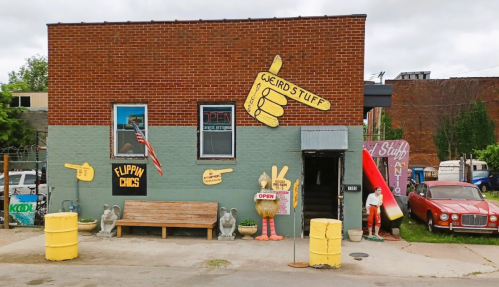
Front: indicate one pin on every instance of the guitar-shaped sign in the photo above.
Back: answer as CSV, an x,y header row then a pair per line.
x,y
211,177
83,172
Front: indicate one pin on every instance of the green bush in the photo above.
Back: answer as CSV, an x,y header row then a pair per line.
x,y
248,222
86,220
490,155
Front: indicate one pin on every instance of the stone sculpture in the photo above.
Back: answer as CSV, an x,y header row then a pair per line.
x,y
108,221
227,224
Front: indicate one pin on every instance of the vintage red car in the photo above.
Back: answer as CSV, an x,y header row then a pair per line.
x,y
453,206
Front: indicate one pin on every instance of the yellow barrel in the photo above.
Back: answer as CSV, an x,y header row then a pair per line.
x,y
325,243
61,236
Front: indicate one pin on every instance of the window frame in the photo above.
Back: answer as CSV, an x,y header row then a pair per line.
x,y
115,130
19,101
201,105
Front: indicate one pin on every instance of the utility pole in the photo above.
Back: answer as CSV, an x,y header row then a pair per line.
x,y
380,76
6,193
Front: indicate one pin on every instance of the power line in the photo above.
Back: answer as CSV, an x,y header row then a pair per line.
x,y
468,72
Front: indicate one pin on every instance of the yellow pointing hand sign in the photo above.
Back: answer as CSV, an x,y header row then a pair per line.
x,y
84,172
211,177
295,193
268,94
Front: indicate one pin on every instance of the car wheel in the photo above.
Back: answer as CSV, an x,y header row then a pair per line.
x,y
409,211
483,188
430,223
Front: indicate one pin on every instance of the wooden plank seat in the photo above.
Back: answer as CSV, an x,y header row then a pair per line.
x,y
190,214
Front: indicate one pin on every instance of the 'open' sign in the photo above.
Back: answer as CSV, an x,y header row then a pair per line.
x,y
266,196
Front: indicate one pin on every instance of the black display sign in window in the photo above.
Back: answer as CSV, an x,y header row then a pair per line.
x,y
129,179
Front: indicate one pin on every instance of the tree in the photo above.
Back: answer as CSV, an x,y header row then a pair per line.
x,y
13,131
490,155
32,77
34,73
444,140
474,129
471,130
390,133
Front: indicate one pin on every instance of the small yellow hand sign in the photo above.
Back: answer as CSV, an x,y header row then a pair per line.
x,y
295,193
268,94
211,177
83,172
278,181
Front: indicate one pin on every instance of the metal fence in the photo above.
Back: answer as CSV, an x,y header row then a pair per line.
x,y
32,157
24,157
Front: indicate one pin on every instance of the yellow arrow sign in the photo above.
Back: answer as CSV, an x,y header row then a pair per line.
x,y
211,177
268,94
83,172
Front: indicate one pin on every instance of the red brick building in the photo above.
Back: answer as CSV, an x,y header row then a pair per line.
x,y
173,71
419,106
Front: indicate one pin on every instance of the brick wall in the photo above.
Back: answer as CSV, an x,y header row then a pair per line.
x,y
420,105
173,65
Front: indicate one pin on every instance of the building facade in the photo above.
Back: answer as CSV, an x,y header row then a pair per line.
x,y
419,107
184,84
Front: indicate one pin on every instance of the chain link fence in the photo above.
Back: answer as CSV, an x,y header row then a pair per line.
x,y
27,167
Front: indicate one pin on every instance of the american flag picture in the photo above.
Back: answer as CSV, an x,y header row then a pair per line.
x,y
141,138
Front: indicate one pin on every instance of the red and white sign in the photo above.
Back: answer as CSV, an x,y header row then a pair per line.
x,y
284,202
266,196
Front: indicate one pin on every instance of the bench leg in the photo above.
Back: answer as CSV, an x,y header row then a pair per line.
x,y
163,232
119,231
214,232
210,233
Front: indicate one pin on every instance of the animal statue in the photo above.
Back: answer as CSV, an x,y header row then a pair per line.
x,y
227,224
267,208
108,219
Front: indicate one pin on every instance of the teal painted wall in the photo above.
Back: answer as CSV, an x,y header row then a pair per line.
x,y
257,149
352,212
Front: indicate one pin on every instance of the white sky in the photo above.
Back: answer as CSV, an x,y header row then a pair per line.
x,y
458,38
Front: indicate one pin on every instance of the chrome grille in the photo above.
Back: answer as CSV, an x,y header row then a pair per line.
x,y
474,220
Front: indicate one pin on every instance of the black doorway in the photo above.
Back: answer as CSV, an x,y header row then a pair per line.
x,y
321,186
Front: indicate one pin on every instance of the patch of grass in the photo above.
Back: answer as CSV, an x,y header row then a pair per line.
x,y
217,263
416,232
476,273
491,195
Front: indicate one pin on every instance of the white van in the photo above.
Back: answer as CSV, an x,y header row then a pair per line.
x,y
449,170
22,182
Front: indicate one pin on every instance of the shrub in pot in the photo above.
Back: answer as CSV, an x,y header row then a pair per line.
x,y
86,225
247,228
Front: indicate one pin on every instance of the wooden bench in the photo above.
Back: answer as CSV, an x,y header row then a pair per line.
x,y
191,214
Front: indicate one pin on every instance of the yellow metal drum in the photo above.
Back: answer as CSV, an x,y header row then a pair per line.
x,y
61,236
325,243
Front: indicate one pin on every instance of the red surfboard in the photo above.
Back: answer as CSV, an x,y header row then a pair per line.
x,y
390,205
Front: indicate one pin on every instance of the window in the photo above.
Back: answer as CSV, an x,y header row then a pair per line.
x,y
216,130
125,139
29,179
21,101
13,179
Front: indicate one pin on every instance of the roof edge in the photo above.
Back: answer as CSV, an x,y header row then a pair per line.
x,y
210,21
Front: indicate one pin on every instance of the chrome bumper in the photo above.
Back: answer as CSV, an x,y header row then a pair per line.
x,y
469,229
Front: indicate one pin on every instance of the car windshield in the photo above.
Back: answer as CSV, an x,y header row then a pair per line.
x,y
480,173
13,179
455,192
